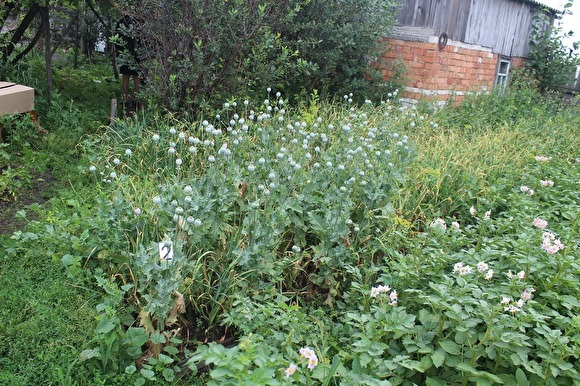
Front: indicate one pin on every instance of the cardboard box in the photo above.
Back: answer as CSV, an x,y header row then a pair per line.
x,y
15,98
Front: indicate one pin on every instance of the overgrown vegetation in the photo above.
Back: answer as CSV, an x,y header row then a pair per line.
x,y
198,53
316,243
195,54
552,63
45,315
285,239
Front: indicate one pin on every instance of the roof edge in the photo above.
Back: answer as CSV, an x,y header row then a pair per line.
x,y
541,4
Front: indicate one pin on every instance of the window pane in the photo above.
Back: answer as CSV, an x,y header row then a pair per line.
x,y
504,67
501,80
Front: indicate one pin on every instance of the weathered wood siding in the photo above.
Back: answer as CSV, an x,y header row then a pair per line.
x,y
505,26
448,16
502,25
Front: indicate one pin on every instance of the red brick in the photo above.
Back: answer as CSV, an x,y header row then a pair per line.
x,y
415,64
455,63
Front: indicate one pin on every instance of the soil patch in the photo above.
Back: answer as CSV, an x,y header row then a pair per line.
x,y
36,193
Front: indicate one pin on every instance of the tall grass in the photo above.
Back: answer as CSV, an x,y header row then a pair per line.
x,y
460,165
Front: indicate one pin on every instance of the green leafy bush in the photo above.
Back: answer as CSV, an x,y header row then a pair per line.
x,y
198,53
553,64
338,39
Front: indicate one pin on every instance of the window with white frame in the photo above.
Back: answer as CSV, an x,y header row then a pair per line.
x,y
503,70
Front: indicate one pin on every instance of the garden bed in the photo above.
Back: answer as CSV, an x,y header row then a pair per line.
x,y
339,244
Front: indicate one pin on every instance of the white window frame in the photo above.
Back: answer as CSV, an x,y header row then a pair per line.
x,y
502,77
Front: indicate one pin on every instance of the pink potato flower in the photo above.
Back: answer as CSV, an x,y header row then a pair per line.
x,y
489,275
472,211
550,243
540,223
461,269
482,266
310,355
290,370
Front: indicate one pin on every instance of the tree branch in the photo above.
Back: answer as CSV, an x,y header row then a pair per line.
x,y
29,47
19,32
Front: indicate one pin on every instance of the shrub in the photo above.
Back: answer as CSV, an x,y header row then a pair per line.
x,y
339,39
198,52
553,64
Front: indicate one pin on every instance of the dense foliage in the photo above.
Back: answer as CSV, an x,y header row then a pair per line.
x,y
327,243
337,39
551,61
276,237
197,52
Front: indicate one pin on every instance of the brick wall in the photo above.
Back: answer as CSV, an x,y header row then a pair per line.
x,y
438,74
518,62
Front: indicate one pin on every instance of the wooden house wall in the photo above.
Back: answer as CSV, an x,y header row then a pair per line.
x,y
448,16
502,25
505,26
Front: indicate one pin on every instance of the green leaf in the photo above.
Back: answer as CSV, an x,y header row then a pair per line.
x,y
169,375
491,377
534,367
136,336
68,260
450,346
412,365
433,382
127,287
365,359
131,369
467,368
356,366
570,302
171,350
220,372
164,359
140,381
564,365
490,351
318,223
320,372
452,360
438,357
89,353
157,338
335,363
521,377
425,363
149,374
105,325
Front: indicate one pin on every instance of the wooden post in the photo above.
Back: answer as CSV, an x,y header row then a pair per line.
x,y
113,111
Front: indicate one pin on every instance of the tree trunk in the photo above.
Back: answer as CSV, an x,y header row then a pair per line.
x,y
45,14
